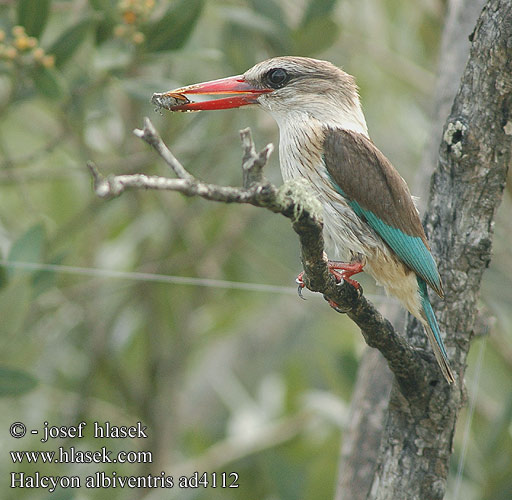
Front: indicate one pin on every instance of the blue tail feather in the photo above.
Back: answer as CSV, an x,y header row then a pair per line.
x,y
430,316
433,332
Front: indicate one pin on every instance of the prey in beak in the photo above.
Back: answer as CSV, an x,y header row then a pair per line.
x,y
239,92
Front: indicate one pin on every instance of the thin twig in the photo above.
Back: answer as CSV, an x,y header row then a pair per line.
x,y
151,136
252,162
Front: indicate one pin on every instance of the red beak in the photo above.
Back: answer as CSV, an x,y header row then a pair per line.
x,y
241,94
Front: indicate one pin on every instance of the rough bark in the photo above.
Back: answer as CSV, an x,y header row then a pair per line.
x,y
461,18
466,189
359,452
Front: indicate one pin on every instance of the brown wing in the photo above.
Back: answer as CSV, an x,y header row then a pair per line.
x,y
379,195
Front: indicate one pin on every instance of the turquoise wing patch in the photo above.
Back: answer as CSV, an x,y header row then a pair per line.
x,y
410,249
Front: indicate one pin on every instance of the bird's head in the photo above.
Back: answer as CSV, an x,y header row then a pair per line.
x,y
290,88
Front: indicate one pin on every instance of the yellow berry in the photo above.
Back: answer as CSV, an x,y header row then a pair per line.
x,y
21,42
18,31
10,52
38,54
138,37
48,61
120,30
129,17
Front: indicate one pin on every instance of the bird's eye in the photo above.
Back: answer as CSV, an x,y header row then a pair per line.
x,y
277,77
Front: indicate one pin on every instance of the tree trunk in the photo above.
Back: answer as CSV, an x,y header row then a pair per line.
x,y
371,395
460,21
361,439
466,189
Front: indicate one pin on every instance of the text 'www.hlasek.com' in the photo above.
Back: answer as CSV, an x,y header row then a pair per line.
x,y
27,462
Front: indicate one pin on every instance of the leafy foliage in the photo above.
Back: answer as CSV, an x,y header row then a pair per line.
x,y
203,367
33,15
15,382
70,40
171,31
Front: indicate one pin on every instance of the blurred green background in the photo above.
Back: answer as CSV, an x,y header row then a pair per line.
x,y
256,382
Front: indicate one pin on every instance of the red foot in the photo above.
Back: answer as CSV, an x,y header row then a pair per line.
x,y
301,284
347,269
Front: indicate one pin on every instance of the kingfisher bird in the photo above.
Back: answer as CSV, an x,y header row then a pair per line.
x,y
370,219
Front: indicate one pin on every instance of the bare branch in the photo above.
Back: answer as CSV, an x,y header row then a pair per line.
x,y
112,186
294,201
252,162
151,136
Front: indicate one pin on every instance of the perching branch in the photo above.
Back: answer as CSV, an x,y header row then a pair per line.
x,y
292,200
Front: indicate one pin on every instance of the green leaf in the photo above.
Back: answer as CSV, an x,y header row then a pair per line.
x,y
141,88
316,9
68,42
500,426
15,301
45,279
60,494
4,277
251,21
243,26
112,55
317,35
104,31
107,14
103,6
33,14
234,52
173,29
270,9
48,82
28,247
15,382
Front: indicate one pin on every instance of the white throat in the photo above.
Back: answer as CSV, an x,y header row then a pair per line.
x,y
311,115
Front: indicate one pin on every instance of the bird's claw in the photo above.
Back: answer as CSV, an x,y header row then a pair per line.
x,y
353,283
341,272
301,286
